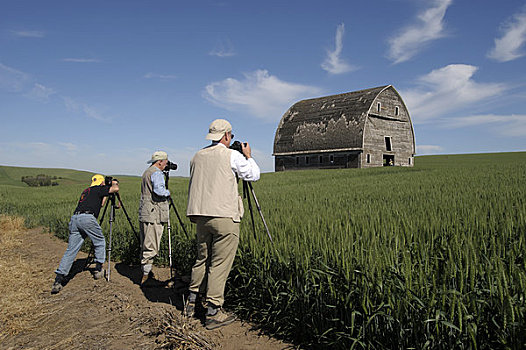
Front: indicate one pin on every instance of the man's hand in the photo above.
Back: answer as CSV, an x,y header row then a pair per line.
x,y
245,147
114,186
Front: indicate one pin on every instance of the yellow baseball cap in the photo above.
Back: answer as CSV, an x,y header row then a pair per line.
x,y
97,180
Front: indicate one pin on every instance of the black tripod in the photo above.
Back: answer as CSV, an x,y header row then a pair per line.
x,y
166,179
111,199
246,194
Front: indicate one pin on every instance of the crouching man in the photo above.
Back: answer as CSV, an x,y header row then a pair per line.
x,y
84,224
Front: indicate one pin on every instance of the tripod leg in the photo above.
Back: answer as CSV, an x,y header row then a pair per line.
x,y
259,210
127,216
89,259
246,194
112,218
170,248
178,217
104,213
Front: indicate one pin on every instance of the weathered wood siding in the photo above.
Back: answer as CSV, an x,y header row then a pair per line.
x,y
391,120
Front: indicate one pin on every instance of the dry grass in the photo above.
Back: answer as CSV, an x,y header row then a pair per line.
x,y
17,284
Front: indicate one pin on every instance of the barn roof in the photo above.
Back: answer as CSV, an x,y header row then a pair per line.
x,y
326,123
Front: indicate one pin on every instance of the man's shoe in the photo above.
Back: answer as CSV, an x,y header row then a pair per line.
x,y
220,319
58,284
57,287
98,274
189,309
147,279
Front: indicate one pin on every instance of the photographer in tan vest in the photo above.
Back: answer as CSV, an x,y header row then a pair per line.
x,y
215,206
153,212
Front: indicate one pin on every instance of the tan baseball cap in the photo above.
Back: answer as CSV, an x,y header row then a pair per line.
x,y
158,155
97,180
217,129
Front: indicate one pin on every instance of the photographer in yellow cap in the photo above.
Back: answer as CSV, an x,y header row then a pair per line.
x,y
84,224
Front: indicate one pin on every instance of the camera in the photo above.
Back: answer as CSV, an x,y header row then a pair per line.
x,y
108,180
170,166
236,145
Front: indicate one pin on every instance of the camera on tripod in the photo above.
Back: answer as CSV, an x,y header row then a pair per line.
x,y
236,145
108,180
170,166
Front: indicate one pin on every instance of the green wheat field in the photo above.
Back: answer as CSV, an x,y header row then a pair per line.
x,y
430,257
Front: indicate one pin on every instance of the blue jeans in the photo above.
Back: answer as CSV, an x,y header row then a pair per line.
x,y
80,227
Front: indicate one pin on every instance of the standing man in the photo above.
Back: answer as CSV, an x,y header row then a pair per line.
x,y
153,212
84,224
215,206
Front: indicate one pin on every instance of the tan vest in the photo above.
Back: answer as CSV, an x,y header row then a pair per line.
x,y
152,208
213,189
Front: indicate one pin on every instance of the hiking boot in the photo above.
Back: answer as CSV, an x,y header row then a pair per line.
x,y
219,319
189,306
99,272
147,279
58,284
189,309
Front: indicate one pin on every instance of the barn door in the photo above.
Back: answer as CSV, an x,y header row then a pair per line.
x,y
389,159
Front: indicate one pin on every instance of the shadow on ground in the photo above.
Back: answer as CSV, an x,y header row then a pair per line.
x,y
157,291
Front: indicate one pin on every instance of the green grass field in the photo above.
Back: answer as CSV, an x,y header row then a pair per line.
x,y
425,257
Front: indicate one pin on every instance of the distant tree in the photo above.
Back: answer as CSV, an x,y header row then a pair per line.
x,y
39,180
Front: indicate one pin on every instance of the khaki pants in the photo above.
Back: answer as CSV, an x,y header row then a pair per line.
x,y
217,241
150,241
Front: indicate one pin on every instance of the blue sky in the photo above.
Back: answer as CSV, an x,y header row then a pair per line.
x,y
101,85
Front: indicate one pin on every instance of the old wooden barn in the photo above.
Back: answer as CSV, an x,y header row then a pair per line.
x,y
366,128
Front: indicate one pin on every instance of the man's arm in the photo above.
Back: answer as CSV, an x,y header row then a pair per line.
x,y
158,184
245,168
113,189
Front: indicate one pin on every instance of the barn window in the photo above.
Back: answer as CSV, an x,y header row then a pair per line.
x,y
388,143
409,161
297,160
321,159
307,160
379,107
331,158
397,110
368,158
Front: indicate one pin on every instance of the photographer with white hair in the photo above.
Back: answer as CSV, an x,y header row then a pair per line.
x,y
215,206
154,212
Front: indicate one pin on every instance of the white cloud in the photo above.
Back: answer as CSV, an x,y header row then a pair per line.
x,y
68,146
428,149
507,47
12,80
159,76
262,94
412,39
223,48
447,89
506,125
89,111
333,62
40,93
28,33
81,60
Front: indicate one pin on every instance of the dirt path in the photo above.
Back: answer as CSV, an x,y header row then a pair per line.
x,y
96,314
